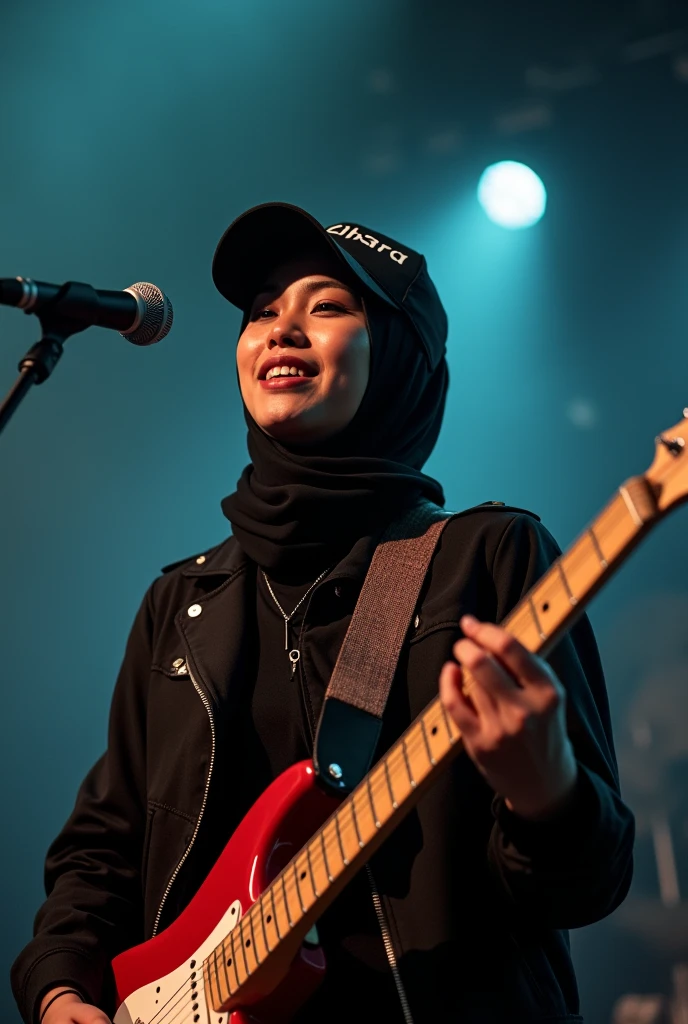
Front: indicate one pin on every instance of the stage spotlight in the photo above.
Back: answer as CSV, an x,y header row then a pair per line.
x,y
512,195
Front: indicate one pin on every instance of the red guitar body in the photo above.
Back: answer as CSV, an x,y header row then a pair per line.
x,y
161,981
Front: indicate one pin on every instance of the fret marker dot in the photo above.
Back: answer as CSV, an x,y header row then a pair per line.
x,y
229,962
269,918
434,730
303,875
545,606
248,942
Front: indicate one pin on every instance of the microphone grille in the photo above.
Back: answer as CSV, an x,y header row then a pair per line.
x,y
157,314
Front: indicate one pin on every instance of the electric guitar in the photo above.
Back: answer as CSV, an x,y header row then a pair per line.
x,y
238,953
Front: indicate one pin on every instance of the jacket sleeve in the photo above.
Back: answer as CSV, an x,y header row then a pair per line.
x,y
576,868
93,908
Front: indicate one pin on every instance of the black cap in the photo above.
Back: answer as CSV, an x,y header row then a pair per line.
x,y
267,234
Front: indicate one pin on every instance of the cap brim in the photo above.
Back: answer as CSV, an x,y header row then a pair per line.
x,y
265,236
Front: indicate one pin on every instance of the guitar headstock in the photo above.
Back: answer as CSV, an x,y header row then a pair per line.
x,y
668,474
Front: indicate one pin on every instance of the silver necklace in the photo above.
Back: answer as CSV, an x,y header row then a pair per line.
x,y
294,654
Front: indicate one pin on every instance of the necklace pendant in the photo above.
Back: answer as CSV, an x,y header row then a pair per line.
x,y
293,658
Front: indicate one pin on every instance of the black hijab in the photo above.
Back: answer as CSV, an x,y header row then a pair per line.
x,y
296,510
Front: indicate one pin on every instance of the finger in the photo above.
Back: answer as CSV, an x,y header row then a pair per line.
x,y
523,666
485,698
455,702
497,684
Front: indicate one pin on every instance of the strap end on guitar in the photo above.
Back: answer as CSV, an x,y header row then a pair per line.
x,y
345,744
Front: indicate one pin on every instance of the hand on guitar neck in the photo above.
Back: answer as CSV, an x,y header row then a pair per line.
x,y
69,1009
512,714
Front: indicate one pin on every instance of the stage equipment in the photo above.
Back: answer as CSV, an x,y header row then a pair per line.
x,y
512,195
141,313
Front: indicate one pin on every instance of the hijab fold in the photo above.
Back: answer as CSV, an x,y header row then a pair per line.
x,y
296,510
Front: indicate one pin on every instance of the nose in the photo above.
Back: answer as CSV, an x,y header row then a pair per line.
x,y
284,334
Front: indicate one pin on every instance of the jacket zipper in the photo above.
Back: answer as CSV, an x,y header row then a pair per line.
x,y
187,851
377,901
389,948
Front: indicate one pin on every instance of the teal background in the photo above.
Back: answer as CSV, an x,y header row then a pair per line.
x,y
132,134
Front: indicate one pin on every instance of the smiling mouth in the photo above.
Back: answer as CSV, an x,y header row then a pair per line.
x,y
284,371
283,378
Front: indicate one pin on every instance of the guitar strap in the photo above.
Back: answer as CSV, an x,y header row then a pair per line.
x,y
351,719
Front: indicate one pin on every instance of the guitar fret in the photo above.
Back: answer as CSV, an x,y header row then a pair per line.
x,y
408,766
243,947
564,579
217,975
359,839
372,802
427,744
207,979
536,620
274,913
339,838
298,888
235,962
254,947
325,860
598,550
445,717
389,783
261,911
286,903
310,869
224,967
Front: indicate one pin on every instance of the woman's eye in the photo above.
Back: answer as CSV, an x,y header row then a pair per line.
x,y
260,312
328,305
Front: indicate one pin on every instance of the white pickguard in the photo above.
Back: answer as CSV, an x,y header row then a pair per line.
x,y
170,1000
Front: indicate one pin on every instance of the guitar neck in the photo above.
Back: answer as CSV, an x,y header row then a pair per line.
x,y
312,879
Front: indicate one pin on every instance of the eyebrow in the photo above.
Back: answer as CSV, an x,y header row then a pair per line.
x,y
310,286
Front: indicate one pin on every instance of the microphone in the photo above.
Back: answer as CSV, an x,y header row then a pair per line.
x,y
141,313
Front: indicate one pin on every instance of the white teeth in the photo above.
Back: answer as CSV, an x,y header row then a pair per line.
x,y
284,371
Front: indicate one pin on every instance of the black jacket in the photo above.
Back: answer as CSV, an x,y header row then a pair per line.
x,y
478,900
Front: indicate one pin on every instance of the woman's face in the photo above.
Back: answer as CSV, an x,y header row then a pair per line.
x,y
304,355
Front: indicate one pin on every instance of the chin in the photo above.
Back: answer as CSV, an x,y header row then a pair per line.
x,y
296,432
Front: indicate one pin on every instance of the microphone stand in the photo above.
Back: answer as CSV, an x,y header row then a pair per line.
x,y
42,358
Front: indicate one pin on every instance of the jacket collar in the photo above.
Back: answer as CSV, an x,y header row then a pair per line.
x,y
224,559
228,557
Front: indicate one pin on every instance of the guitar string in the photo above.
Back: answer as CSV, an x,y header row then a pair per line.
x,y
415,736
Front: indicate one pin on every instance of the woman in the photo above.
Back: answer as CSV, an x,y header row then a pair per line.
x,y
343,377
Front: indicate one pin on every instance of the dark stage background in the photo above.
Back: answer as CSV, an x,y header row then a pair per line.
x,y
133,133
